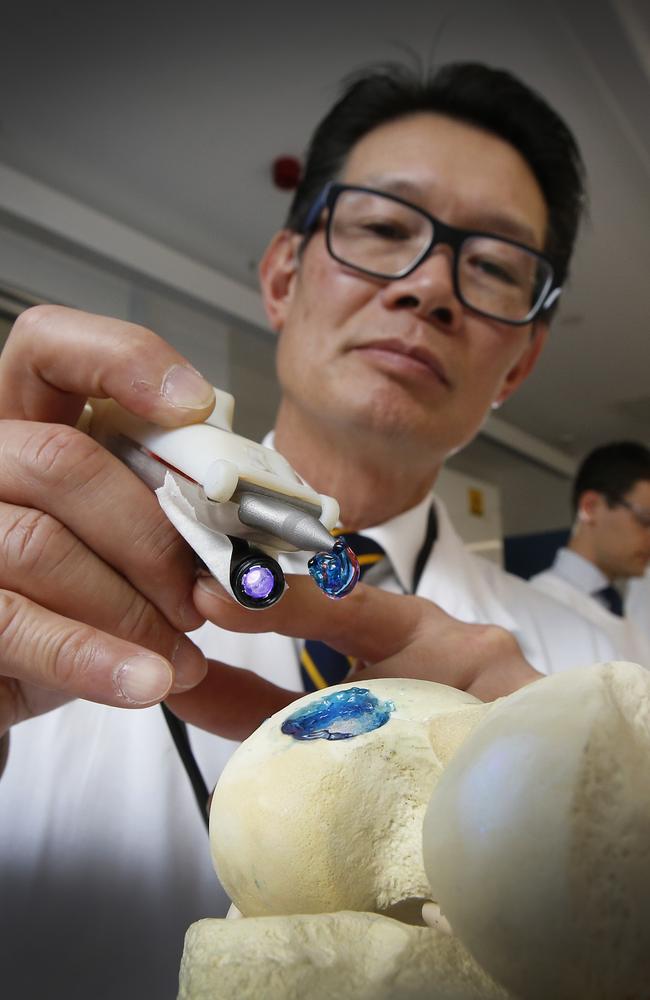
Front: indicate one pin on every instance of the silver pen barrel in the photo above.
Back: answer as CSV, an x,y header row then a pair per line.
x,y
284,521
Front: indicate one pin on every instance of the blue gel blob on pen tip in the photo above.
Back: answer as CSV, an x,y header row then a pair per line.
x,y
339,716
335,572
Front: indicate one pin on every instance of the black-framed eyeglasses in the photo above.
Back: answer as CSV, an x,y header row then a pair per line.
x,y
386,237
640,514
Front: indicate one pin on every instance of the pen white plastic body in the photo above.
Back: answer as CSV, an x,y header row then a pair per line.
x,y
214,468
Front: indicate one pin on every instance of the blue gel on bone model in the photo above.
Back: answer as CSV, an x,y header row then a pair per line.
x,y
339,716
335,572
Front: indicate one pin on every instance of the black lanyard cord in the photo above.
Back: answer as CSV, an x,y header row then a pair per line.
x,y
422,557
178,730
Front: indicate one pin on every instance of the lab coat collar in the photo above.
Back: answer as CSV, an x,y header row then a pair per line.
x,y
463,584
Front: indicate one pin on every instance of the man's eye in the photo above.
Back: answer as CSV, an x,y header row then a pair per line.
x,y
493,269
386,230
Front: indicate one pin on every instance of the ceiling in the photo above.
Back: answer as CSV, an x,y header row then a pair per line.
x,y
167,117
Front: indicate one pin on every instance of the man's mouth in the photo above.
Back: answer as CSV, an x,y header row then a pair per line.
x,y
418,355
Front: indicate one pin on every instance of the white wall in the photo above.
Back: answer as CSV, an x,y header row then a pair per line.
x,y
54,271
533,497
475,508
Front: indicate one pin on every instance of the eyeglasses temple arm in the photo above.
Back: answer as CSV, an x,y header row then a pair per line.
x,y
316,208
551,298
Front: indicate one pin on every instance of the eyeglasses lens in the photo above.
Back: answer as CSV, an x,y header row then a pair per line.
x,y
640,514
501,279
378,234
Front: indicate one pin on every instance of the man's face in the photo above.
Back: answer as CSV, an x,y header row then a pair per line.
x,y
404,359
621,541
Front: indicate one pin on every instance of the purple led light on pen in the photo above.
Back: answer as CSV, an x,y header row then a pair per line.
x,y
258,582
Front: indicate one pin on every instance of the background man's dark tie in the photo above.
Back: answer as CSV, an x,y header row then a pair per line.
x,y
610,597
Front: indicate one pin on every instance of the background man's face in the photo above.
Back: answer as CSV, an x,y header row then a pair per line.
x,y
344,336
622,544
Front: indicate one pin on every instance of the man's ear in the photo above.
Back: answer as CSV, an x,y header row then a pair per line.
x,y
278,270
524,366
589,503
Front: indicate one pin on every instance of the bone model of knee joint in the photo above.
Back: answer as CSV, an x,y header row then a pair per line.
x,y
526,823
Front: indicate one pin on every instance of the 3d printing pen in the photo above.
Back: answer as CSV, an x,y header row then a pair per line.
x,y
237,503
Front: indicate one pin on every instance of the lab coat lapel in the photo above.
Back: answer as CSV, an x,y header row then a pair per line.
x,y
460,583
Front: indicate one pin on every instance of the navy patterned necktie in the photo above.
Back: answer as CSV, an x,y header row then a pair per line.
x,y
320,665
610,597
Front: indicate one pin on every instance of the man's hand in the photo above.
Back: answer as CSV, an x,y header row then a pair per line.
x,y
391,635
95,583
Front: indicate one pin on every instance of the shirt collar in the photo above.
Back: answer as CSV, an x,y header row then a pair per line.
x,y
401,537
579,572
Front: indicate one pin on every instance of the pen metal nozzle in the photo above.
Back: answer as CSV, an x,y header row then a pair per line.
x,y
291,524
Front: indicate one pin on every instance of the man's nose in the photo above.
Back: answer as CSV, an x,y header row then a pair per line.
x,y
428,291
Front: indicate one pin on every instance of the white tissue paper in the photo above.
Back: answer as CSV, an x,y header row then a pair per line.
x,y
213,547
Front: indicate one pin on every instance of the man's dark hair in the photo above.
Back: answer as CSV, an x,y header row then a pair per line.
x,y
613,469
489,98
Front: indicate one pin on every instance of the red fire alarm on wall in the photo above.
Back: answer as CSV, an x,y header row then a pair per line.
x,y
286,171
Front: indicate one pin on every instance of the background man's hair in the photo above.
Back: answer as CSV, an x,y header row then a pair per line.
x,y
491,99
612,469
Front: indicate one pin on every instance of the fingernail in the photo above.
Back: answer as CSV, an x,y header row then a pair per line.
x,y
143,678
188,615
190,665
211,586
184,387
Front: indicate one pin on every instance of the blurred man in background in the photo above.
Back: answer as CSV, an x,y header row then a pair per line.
x,y
609,543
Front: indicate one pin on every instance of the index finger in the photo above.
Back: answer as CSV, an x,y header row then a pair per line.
x,y
55,358
370,624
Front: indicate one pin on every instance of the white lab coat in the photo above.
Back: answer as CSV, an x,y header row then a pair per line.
x,y
628,640
103,857
637,602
